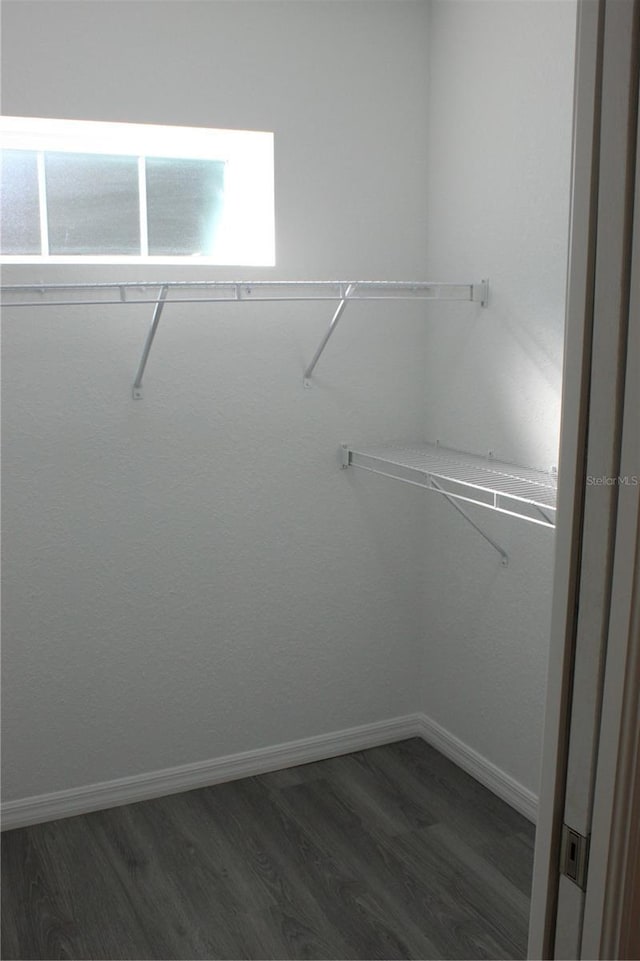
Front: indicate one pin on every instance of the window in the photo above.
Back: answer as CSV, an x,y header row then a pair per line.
x,y
85,192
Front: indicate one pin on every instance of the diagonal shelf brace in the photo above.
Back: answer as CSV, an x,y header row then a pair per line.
x,y
429,483
478,293
503,554
548,520
306,377
136,390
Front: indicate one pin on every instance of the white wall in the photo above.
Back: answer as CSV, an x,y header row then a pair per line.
x,y
500,113
191,575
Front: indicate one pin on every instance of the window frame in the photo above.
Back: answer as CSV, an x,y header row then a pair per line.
x,y
246,230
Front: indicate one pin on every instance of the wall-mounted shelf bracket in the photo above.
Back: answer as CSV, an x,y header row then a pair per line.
x,y
381,290
503,554
349,458
136,390
306,377
481,293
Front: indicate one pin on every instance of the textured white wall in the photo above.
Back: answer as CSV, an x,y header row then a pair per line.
x,y
500,111
191,575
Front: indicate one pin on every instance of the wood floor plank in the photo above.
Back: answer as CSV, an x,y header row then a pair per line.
x,y
451,795
512,855
177,891
215,842
284,937
446,780
334,900
276,870
511,898
503,920
85,912
423,899
370,924
396,805
388,853
37,917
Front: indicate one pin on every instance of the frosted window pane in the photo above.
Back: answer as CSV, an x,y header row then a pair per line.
x,y
20,213
92,204
184,200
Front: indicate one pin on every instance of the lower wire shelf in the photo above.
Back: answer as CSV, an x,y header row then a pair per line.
x,y
518,491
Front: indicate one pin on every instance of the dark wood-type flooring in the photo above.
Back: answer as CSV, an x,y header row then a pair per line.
x,y
388,853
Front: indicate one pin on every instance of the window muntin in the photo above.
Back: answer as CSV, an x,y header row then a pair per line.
x,y
88,192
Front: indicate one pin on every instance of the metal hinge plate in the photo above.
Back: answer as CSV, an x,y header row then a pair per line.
x,y
574,856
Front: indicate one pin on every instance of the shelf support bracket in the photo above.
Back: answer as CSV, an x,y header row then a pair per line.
x,y
136,390
429,483
306,377
503,554
480,293
548,520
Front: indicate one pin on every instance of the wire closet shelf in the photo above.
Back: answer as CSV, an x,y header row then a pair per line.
x,y
517,491
522,492
217,291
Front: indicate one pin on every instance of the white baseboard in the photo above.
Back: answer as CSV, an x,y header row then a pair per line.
x,y
483,770
187,777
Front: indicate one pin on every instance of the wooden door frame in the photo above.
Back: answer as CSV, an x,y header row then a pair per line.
x,y
612,876
612,907
572,476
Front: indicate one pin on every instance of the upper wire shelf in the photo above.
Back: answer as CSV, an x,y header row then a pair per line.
x,y
215,291
223,291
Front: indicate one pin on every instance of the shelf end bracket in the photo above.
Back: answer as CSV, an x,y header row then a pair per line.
x,y
344,456
480,293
